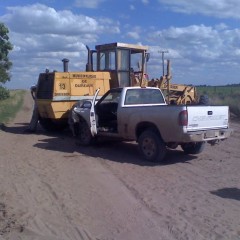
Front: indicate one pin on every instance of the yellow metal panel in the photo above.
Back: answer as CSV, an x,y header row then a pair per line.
x,y
69,85
103,85
61,84
62,75
45,109
86,83
54,110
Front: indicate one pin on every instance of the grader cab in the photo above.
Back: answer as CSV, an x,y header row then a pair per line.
x,y
108,66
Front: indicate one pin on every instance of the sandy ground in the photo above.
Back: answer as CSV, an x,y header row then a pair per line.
x,y
52,189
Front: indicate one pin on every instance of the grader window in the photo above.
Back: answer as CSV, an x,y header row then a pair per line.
x,y
136,61
107,61
123,60
123,67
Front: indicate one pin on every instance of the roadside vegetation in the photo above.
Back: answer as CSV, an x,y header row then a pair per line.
x,y
223,95
5,63
10,106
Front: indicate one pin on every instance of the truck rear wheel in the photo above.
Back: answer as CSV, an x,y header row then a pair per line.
x,y
85,137
151,146
193,148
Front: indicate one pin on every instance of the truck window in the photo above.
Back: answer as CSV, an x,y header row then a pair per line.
x,y
143,96
111,96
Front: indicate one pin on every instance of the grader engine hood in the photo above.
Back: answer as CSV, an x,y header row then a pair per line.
x,y
58,91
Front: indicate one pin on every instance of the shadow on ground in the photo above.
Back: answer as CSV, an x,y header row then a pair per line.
x,y
123,152
18,128
231,193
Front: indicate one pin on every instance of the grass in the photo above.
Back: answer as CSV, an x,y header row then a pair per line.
x,y
10,106
223,95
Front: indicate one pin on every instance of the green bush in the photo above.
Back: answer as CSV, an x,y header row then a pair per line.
x,y
4,93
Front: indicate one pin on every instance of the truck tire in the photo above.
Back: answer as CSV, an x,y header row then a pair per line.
x,y
151,146
193,148
50,125
85,137
203,100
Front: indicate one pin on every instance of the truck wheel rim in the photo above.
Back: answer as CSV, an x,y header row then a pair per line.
x,y
148,147
85,135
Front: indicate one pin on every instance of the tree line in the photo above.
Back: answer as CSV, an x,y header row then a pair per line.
x,y
5,63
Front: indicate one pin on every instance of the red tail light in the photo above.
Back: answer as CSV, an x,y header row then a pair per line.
x,y
183,118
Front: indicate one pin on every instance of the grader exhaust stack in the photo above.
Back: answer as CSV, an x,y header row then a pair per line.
x,y
65,64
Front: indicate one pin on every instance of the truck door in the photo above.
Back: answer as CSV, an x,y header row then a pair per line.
x,y
93,124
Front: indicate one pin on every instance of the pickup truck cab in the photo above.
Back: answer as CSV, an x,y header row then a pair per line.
x,y
142,115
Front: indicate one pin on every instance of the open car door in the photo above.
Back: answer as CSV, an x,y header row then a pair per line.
x,y
93,122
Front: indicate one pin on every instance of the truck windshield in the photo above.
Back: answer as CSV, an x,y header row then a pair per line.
x,y
111,96
143,96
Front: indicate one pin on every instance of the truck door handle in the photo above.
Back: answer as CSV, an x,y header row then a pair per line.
x,y
210,112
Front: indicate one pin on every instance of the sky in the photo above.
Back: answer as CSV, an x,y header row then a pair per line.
x,y
201,37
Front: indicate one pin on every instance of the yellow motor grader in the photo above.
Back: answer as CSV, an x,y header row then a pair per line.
x,y
108,66
175,93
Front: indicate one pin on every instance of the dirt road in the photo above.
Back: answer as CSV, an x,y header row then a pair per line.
x,y
52,189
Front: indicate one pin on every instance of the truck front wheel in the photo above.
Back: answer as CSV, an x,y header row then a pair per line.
x,y
85,137
151,146
193,148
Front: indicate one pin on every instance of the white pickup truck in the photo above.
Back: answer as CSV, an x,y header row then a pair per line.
x,y
142,115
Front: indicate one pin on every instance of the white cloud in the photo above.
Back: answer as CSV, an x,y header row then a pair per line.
x,y
42,36
132,7
145,2
198,49
133,35
192,40
88,3
216,8
39,19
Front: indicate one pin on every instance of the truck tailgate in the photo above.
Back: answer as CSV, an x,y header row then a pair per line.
x,y
207,117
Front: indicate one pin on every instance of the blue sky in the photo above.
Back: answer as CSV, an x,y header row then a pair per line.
x,y
202,36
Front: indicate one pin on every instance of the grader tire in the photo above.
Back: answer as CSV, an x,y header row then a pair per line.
x,y
50,125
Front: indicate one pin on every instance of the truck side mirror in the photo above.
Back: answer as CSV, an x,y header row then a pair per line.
x,y
87,104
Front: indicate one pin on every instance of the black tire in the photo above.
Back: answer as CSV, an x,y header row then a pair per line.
x,y
152,146
172,145
193,148
85,137
51,125
203,100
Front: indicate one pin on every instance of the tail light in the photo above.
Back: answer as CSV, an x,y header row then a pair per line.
x,y
183,118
